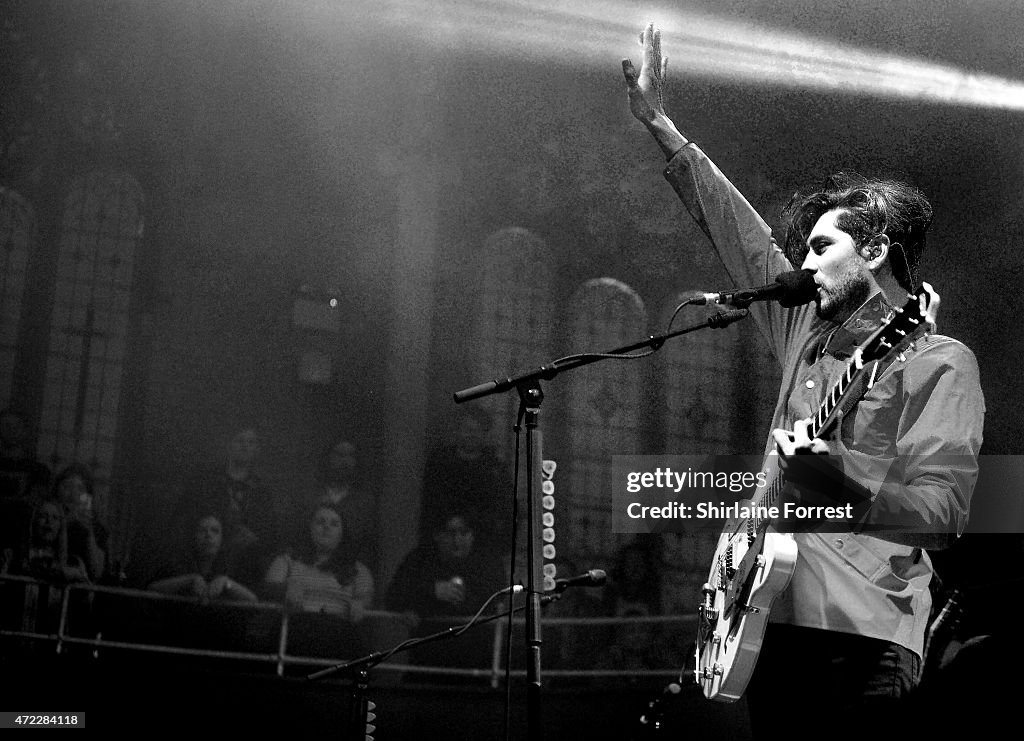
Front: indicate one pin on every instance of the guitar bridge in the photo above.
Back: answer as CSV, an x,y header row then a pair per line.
x,y
710,615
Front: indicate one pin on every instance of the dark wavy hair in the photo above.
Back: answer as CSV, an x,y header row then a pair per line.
x,y
342,562
870,207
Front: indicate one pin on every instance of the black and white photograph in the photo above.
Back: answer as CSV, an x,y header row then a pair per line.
x,y
511,369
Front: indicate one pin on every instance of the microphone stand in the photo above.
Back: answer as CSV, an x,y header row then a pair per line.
x,y
361,666
531,396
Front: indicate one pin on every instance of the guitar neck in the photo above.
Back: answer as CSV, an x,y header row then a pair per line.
x,y
887,343
819,422
823,417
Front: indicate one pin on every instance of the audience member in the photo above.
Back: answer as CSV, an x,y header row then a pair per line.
x,y
251,515
448,575
338,484
43,555
325,586
22,477
468,476
201,571
88,538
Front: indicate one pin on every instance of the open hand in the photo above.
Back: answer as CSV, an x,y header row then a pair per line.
x,y
646,90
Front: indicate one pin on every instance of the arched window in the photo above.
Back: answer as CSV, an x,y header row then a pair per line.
x,y
604,414
101,227
513,316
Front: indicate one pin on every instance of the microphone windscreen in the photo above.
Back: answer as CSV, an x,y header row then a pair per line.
x,y
799,288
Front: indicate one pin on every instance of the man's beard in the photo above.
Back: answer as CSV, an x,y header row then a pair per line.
x,y
845,298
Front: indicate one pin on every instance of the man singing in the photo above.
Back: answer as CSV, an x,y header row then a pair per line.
x,y
846,637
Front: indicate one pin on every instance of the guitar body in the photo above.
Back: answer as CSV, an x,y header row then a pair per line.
x,y
749,571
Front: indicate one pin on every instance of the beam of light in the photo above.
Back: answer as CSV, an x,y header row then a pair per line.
x,y
601,32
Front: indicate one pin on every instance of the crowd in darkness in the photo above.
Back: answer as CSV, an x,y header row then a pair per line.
x,y
231,539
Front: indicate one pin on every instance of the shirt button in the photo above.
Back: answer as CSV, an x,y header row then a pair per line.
x,y
809,384
839,543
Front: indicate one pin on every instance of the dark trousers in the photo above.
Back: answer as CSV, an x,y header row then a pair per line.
x,y
825,684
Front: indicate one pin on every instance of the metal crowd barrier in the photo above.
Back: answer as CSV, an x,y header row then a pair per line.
x,y
393,625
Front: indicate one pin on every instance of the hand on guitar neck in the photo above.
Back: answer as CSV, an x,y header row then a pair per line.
x,y
816,477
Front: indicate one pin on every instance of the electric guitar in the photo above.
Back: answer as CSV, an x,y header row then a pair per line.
x,y
753,565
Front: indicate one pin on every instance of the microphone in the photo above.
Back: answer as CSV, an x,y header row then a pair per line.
x,y
795,288
593,578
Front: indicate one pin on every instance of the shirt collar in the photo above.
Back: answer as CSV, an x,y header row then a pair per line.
x,y
848,336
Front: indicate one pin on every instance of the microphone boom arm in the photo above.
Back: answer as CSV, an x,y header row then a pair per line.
x,y
549,371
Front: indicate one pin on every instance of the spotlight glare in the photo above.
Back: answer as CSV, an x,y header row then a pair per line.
x,y
600,32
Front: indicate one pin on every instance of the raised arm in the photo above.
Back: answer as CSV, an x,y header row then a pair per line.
x,y
739,235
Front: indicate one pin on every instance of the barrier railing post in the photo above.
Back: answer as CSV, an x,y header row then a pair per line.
x,y
498,647
65,592
282,643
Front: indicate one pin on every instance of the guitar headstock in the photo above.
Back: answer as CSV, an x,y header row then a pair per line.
x,y
914,319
